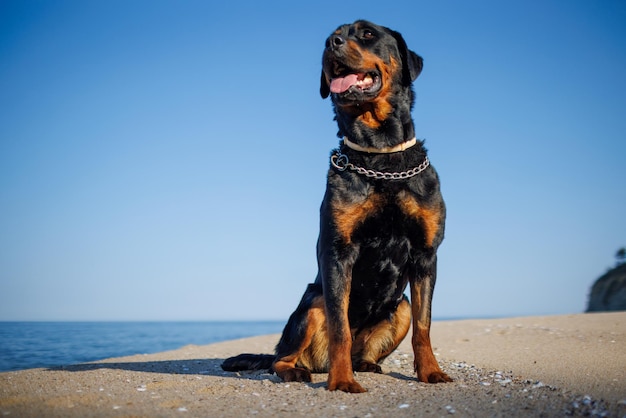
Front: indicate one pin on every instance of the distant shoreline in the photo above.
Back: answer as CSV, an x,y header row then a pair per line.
x,y
26,345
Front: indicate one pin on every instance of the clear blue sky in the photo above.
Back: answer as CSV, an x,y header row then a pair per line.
x,y
165,160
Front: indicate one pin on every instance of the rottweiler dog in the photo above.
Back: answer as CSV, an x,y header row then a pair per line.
x,y
381,221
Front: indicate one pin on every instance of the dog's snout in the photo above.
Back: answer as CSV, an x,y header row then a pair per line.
x,y
335,41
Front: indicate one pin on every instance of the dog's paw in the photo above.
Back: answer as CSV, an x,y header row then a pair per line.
x,y
436,377
350,386
368,367
295,374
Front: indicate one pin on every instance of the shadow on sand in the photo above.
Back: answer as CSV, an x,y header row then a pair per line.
x,y
203,367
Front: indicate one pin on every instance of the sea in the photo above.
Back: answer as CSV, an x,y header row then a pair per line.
x,y
26,345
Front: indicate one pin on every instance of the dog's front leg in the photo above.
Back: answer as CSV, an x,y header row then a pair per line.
x,y
426,365
337,282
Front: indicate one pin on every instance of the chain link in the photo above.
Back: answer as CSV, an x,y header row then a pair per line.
x,y
340,162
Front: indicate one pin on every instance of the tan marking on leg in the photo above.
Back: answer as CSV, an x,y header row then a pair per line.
x,y
340,373
425,364
374,344
287,367
315,356
429,218
348,216
401,323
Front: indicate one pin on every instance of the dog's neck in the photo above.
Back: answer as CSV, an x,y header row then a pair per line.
x,y
367,127
384,150
391,134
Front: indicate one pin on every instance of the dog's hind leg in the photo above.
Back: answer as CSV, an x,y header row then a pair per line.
x,y
303,346
373,344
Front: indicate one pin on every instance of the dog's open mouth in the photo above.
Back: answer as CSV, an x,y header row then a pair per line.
x,y
364,82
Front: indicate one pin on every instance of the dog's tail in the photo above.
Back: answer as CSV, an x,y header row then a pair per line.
x,y
248,362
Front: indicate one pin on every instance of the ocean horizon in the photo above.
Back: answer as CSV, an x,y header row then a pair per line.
x,y
33,344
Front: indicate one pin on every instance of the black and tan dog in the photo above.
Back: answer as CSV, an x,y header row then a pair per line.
x,y
382,219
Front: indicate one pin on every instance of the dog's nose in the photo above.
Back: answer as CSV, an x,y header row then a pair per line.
x,y
336,41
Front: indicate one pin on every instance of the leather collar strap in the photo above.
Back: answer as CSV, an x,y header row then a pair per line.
x,y
386,150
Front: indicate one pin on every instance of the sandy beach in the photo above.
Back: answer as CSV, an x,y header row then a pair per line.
x,y
571,365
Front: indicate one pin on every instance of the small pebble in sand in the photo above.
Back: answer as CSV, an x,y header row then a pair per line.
x,y
404,405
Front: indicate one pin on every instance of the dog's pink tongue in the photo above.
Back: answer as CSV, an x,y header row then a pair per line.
x,y
341,84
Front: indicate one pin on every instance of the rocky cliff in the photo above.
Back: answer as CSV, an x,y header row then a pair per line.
x,y
608,293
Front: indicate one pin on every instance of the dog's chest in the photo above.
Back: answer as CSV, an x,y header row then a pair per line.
x,y
382,220
390,232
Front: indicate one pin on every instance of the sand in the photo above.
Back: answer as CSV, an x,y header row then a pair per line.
x,y
572,365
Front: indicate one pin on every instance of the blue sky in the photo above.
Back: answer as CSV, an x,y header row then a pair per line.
x,y
165,160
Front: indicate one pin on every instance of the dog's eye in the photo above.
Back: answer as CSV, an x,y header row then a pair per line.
x,y
368,34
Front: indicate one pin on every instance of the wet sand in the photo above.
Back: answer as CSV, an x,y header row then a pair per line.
x,y
572,365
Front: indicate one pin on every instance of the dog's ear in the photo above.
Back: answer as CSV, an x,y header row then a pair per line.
x,y
324,88
411,62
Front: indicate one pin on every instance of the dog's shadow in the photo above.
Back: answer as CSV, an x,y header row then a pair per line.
x,y
203,367
199,367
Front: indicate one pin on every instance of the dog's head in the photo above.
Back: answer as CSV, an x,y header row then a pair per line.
x,y
364,63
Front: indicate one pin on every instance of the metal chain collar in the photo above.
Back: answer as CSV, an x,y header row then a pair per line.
x,y
340,162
